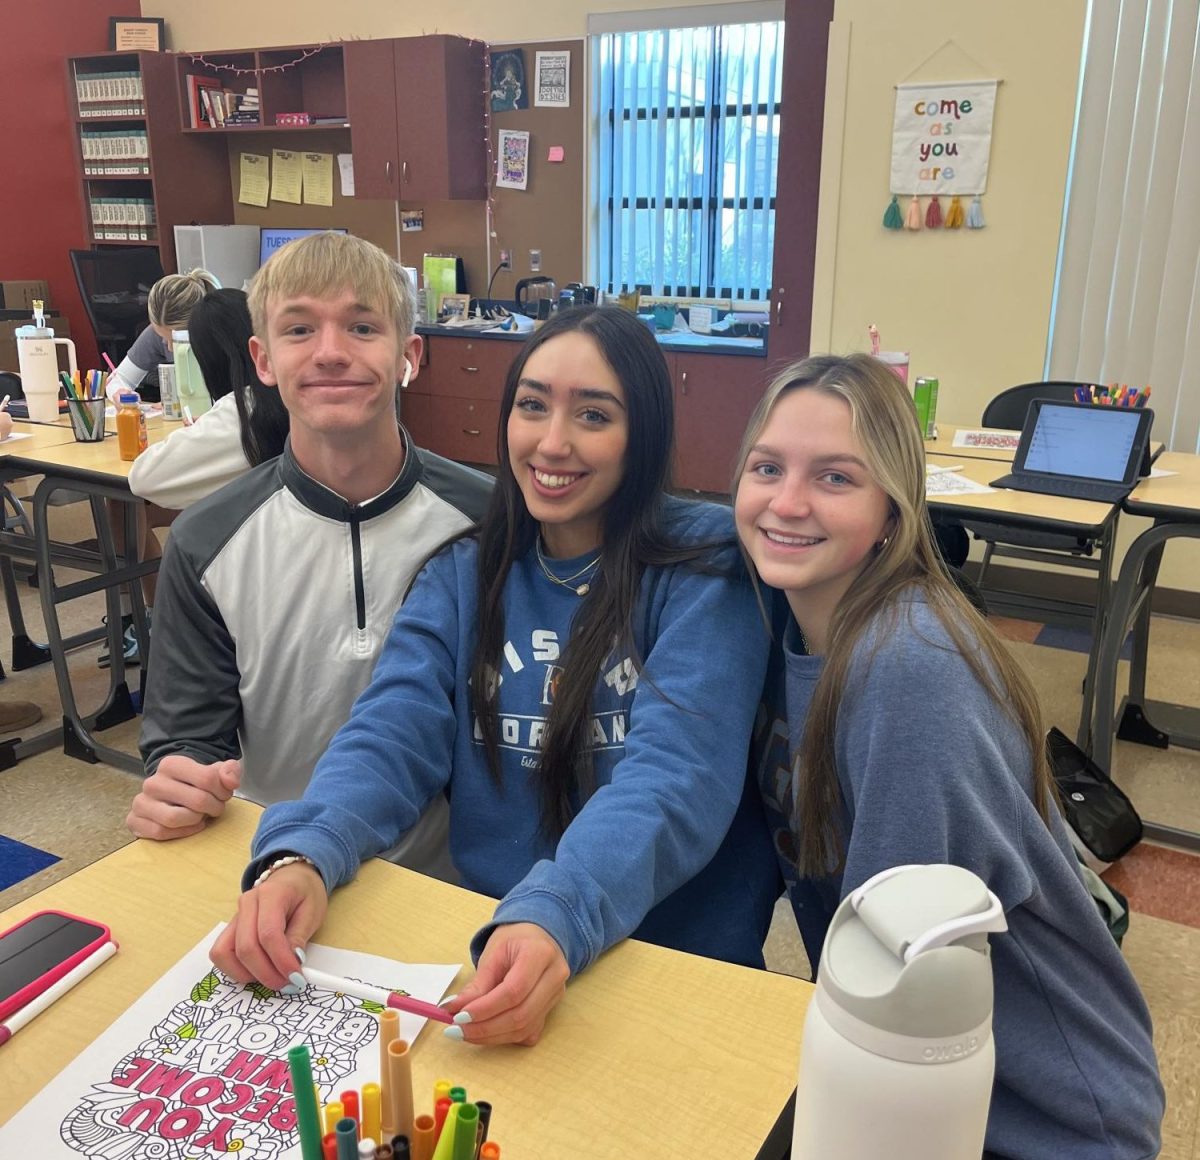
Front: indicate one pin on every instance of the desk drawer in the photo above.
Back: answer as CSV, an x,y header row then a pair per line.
x,y
468,368
464,429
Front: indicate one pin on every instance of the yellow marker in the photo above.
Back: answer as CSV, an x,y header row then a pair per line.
x,y
441,1090
371,1111
333,1112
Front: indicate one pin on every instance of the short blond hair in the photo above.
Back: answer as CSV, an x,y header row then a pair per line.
x,y
323,264
172,299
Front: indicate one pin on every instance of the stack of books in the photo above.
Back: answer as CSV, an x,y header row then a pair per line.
x,y
214,107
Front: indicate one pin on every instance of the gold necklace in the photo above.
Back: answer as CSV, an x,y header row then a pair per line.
x,y
566,582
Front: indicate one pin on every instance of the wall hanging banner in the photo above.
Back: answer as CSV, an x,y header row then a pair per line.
x,y
941,137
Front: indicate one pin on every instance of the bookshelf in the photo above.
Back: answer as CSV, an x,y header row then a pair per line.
x,y
139,176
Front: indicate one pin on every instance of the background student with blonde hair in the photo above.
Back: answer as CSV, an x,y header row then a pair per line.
x,y
918,739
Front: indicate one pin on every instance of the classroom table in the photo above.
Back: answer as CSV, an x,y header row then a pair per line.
x,y
944,444
652,1053
1173,503
1046,513
97,472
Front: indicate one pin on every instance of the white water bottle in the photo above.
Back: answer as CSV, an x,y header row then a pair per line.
x,y
37,359
898,1056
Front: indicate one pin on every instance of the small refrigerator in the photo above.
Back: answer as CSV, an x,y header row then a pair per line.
x,y
229,252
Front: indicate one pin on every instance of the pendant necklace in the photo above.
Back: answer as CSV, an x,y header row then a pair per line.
x,y
567,581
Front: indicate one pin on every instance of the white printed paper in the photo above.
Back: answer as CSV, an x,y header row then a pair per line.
x,y
991,438
197,1068
346,173
951,483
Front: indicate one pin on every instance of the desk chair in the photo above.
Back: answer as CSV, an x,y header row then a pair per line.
x,y
1007,410
114,284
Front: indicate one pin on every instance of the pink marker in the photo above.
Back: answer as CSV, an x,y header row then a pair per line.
x,y
380,995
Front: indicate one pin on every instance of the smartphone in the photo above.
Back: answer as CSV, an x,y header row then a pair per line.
x,y
41,949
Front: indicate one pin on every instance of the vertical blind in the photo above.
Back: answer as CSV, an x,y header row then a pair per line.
x,y
1127,296
688,144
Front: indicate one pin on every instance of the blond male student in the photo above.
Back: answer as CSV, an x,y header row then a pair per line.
x,y
276,592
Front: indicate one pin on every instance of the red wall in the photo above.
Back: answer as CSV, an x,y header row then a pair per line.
x,y
41,214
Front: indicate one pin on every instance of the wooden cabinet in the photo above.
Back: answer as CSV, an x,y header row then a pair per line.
x,y
415,106
714,398
140,175
462,381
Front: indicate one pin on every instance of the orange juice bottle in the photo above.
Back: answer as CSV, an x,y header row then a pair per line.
x,y
131,427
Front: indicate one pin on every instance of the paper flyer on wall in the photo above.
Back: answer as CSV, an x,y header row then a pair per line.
x,y
197,1067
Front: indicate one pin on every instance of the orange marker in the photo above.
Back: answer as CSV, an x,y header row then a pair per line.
x,y
389,1029
424,1137
490,1151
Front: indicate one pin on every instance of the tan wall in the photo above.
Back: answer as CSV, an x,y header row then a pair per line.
x,y
213,24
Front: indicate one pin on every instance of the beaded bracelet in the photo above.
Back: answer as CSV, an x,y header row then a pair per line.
x,y
287,860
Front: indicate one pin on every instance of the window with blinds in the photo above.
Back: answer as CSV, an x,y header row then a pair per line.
x,y
687,150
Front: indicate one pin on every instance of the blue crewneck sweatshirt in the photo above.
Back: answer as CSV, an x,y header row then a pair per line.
x,y
932,770
671,847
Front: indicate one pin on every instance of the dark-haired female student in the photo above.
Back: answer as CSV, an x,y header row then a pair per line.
x,y
580,675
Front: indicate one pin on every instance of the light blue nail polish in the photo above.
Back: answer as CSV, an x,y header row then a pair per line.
x,y
297,980
453,1032
463,1017
300,955
289,990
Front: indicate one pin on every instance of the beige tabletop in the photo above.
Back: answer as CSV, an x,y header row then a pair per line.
x,y
46,451
1178,493
652,1053
40,435
1026,506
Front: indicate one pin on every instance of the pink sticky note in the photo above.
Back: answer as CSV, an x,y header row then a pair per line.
x,y
555,154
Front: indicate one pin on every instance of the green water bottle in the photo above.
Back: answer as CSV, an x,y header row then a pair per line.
x,y
925,393
190,388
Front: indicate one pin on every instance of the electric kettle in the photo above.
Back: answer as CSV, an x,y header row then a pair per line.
x,y
530,291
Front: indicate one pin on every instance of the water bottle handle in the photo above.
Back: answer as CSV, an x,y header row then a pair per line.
x,y
70,345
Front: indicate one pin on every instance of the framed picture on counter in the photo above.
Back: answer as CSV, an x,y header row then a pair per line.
x,y
453,306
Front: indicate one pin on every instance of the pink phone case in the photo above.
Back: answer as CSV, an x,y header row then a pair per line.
x,y
19,998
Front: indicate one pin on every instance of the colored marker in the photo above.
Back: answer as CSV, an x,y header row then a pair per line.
x,y
380,995
57,990
308,1115
466,1132
384,1152
347,1139
458,1095
400,1075
490,1151
423,1138
108,361
445,1144
440,1111
333,1113
371,1114
389,1029
1145,396
485,1119
329,1146
366,1149
350,1106
401,1149
441,1090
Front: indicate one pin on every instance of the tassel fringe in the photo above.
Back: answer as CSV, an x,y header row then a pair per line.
x,y
975,215
954,215
933,215
893,219
913,219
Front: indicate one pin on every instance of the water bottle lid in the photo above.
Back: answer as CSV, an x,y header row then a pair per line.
x,y
31,331
907,951
179,336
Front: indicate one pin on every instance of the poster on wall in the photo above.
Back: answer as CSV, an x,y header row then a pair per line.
x,y
552,79
942,137
508,81
512,161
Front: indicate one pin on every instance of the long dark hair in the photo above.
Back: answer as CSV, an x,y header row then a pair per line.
x,y
219,331
633,539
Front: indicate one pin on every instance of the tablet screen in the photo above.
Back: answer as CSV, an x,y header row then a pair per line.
x,y
1090,442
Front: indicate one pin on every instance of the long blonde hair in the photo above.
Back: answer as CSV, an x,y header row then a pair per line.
x,y
172,298
884,422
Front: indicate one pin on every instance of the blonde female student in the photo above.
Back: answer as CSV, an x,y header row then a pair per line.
x,y
917,738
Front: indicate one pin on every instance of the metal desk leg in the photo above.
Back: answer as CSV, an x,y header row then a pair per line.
x,y
1100,617
25,652
115,571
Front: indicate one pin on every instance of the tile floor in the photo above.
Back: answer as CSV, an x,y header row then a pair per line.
x,y
41,799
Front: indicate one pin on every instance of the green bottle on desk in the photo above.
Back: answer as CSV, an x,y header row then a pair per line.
x,y
189,380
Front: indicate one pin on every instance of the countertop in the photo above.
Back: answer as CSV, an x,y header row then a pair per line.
x,y
676,340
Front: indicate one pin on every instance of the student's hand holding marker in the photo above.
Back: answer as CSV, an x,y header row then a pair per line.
x,y
522,974
180,797
273,919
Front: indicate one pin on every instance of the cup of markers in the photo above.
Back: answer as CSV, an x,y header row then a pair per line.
x,y
1113,395
85,405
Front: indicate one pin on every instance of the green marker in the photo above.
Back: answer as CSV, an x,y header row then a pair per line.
x,y
464,1136
458,1095
308,1119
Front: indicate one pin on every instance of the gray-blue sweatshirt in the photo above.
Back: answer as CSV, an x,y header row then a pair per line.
x,y
932,770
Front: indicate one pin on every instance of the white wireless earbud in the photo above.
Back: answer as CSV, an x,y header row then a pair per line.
x,y
407,374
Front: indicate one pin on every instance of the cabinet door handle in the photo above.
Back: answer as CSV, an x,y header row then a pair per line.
x,y
779,306
470,431
470,370
683,382
404,172
388,170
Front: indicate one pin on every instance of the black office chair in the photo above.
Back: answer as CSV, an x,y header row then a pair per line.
x,y
1007,410
114,285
